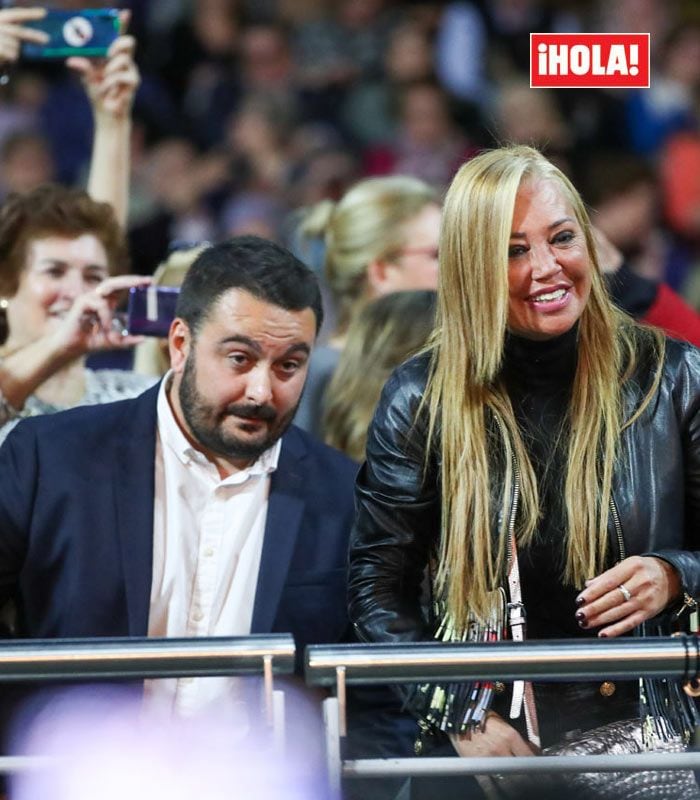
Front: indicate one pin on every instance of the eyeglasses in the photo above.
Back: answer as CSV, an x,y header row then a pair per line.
x,y
431,252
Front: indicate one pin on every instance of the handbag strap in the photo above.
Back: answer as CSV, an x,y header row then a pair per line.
x,y
523,693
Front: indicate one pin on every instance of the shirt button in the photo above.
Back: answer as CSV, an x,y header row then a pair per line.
x,y
607,688
209,552
197,616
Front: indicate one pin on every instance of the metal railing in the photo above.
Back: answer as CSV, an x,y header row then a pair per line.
x,y
139,658
551,660
60,659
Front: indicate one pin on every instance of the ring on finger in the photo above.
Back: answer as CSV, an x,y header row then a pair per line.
x,y
625,592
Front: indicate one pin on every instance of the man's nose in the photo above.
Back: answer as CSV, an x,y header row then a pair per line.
x,y
259,387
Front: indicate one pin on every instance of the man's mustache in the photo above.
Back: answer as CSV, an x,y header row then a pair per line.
x,y
264,412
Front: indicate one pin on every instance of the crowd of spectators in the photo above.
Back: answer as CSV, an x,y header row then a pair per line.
x,y
248,110
334,127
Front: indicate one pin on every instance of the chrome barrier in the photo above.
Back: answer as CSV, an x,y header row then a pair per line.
x,y
552,660
139,658
60,659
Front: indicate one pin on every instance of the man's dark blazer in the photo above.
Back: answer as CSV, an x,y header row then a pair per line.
x,y
76,527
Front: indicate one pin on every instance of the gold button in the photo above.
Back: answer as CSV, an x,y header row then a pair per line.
x,y
607,688
499,687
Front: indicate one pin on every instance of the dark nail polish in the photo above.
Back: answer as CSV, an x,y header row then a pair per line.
x,y
603,635
582,623
580,616
580,601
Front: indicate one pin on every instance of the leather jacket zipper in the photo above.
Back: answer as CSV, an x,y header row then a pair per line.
x,y
513,510
618,529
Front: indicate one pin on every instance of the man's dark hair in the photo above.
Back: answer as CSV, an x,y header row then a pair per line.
x,y
257,266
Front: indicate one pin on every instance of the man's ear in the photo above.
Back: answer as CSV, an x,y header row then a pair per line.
x,y
179,344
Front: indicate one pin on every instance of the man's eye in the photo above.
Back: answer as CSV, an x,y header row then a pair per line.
x,y
237,359
290,366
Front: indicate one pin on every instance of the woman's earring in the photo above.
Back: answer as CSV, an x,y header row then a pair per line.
x,y
4,303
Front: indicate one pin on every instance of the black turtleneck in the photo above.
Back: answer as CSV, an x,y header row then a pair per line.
x,y
539,377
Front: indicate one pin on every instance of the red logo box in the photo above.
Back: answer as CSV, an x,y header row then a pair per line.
x,y
589,60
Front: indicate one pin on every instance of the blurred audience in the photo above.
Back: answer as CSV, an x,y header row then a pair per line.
x,y
646,299
670,104
248,111
522,116
381,237
369,107
623,193
383,335
427,143
58,248
25,162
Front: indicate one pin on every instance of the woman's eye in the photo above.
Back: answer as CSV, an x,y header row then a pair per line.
x,y
563,237
516,250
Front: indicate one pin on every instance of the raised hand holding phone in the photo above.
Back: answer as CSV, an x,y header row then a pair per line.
x,y
86,32
111,83
14,30
90,323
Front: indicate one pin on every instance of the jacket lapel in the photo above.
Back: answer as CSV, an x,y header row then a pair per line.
x,y
134,506
284,514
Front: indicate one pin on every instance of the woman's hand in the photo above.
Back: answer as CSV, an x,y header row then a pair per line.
x,y
619,599
90,323
497,739
13,33
111,84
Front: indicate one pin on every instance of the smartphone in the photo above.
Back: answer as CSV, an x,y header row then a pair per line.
x,y
151,309
88,32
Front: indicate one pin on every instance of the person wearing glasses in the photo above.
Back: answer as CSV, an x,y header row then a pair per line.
x,y
380,237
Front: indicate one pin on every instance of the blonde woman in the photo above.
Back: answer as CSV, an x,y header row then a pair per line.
x,y
383,335
381,237
543,422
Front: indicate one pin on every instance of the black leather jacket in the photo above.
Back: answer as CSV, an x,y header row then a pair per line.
x,y
656,492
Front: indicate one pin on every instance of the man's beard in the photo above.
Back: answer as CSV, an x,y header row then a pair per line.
x,y
206,422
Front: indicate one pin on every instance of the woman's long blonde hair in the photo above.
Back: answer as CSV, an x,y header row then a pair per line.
x,y
467,403
368,223
385,333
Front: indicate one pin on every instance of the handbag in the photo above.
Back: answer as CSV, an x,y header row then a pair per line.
x,y
619,738
615,738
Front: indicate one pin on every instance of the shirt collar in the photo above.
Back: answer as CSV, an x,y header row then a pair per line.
x,y
172,437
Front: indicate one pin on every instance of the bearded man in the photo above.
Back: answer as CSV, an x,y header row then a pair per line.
x,y
197,508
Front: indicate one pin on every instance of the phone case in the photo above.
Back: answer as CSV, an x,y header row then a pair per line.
x,y
88,32
151,310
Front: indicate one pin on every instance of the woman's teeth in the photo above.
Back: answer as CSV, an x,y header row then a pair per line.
x,y
550,297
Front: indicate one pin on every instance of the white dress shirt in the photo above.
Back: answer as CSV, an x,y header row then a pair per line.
x,y
207,542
